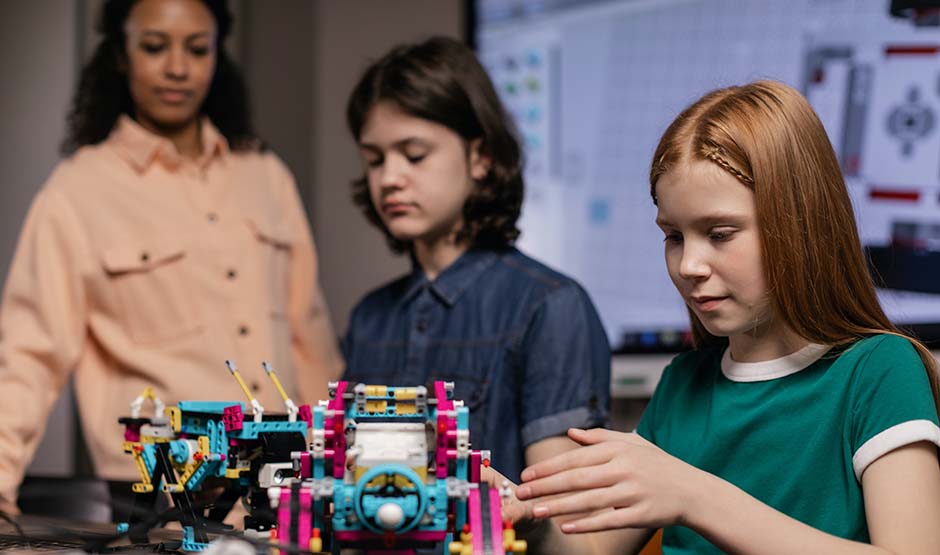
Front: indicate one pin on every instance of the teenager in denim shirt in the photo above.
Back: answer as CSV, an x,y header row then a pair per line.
x,y
443,180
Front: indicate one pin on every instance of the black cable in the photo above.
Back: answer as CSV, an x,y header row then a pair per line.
x,y
17,527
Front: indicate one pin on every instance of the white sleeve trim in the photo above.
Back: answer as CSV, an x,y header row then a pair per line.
x,y
894,437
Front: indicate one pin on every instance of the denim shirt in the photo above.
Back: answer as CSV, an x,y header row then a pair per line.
x,y
522,343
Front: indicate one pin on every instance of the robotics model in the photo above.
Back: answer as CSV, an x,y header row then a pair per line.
x,y
182,447
390,471
387,470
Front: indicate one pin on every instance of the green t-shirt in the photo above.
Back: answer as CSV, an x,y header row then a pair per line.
x,y
797,432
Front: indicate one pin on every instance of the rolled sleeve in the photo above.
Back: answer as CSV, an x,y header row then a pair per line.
x,y
566,366
893,405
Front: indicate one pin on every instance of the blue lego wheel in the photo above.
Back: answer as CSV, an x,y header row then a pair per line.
x,y
390,498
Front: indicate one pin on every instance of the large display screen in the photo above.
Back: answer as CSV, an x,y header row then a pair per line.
x,y
592,84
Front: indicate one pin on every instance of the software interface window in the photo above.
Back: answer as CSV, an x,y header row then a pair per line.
x,y
593,84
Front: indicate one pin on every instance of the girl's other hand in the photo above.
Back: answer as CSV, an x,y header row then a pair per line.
x,y
639,484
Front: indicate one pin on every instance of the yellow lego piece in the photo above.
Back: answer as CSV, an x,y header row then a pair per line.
x,y
142,469
316,545
176,417
405,408
376,391
136,449
457,548
155,440
376,406
142,488
518,547
400,481
189,470
277,382
377,482
234,473
406,394
512,545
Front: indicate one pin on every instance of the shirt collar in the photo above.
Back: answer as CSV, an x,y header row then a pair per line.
x,y
141,147
455,279
771,369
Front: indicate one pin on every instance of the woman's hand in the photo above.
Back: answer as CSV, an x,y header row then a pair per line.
x,y
639,484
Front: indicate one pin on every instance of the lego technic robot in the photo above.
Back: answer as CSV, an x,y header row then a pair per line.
x,y
388,470
184,446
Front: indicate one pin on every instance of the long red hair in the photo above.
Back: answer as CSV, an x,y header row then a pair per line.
x,y
767,136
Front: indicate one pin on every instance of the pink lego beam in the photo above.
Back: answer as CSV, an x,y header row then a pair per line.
x,y
496,522
476,523
336,425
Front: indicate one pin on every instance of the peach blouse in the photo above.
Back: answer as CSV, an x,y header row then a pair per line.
x,y
139,267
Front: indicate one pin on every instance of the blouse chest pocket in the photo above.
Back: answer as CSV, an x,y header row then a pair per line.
x,y
153,286
273,249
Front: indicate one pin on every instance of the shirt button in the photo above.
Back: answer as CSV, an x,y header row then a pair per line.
x,y
422,325
212,217
242,330
231,273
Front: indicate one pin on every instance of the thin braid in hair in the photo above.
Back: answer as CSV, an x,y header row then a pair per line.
x,y
741,176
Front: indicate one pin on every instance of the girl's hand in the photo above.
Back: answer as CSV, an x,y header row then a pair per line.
x,y
536,531
639,484
513,509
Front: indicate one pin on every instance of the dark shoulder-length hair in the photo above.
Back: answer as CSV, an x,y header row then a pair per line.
x,y
103,93
441,80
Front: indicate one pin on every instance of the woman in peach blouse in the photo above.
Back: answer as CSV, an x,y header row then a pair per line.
x,y
168,241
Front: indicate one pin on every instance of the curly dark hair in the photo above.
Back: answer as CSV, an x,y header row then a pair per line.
x,y
103,93
441,80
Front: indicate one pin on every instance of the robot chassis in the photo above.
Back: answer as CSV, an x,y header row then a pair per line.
x,y
388,470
